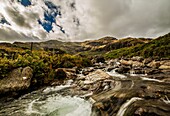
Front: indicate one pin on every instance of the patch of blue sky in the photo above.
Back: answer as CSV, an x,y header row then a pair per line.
x,y
4,21
46,25
25,2
50,17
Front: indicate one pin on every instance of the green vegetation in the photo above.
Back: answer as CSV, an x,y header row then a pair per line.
x,y
42,62
45,61
159,48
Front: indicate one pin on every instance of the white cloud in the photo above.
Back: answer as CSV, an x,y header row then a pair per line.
x,y
86,19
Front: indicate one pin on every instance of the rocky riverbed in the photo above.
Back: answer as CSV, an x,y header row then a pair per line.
x,y
120,87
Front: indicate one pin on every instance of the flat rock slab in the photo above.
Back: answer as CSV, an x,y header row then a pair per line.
x,y
138,97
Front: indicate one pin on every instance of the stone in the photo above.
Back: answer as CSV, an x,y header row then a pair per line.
x,y
137,64
151,71
147,60
126,62
123,69
18,79
165,65
96,76
113,62
144,98
137,71
137,58
154,64
98,59
63,73
86,71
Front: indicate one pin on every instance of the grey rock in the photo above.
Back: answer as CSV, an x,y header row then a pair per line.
x,y
18,79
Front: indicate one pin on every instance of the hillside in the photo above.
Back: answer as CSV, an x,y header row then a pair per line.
x,y
159,47
109,47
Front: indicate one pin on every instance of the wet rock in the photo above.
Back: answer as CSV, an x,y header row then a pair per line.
x,y
85,87
151,71
113,63
123,69
131,63
154,64
98,59
165,65
137,64
63,73
147,60
148,108
137,71
137,58
110,68
126,62
19,79
86,71
96,76
136,97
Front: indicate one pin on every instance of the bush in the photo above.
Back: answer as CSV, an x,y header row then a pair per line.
x,y
43,63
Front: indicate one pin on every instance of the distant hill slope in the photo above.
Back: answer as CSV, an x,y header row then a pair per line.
x,y
159,47
109,47
68,47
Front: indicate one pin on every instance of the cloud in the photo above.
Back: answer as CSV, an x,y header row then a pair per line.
x,y
7,34
77,20
18,18
122,18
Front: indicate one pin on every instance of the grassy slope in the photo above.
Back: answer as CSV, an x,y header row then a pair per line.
x,y
42,62
159,47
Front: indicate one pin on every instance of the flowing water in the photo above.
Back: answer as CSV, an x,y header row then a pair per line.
x,y
115,74
126,104
47,102
52,101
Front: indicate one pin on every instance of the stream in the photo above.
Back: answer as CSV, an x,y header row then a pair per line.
x,y
47,102
101,87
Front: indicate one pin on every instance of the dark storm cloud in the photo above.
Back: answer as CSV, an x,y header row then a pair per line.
x,y
18,18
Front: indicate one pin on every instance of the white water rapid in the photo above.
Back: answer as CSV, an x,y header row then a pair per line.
x,y
47,102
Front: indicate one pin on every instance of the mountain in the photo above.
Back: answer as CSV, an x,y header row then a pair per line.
x,y
68,47
159,47
109,47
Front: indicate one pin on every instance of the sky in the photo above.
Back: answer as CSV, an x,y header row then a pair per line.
x,y
79,20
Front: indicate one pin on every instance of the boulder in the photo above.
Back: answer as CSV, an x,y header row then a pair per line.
x,y
113,64
86,71
137,71
151,71
137,64
126,62
147,60
137,58
144,98
123,69
165,65
19,79
98,59
154,64
96,76
132,63
63,73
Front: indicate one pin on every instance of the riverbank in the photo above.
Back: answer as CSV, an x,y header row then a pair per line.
x,y
132,73
137,86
